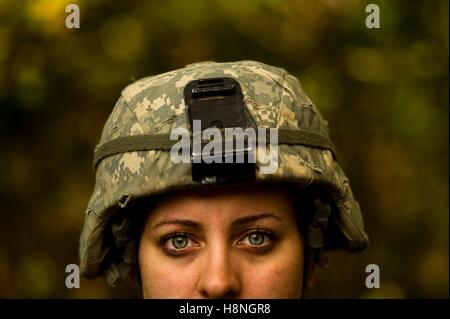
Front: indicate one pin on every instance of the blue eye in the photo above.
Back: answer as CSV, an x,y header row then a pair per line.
x,y
256,238
258,241
179,242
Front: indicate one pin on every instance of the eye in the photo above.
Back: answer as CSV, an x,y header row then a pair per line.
x,y
256,238
178,243
258,241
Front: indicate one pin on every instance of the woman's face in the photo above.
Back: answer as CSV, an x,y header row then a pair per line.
x,y
227,242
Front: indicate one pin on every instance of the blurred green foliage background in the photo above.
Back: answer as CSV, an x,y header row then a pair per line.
x,y
384,92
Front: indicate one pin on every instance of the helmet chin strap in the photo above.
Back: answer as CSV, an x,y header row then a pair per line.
x,y
315,241
316,232
124,243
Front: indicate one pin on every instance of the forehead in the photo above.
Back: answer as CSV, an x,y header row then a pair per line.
x,y
225,202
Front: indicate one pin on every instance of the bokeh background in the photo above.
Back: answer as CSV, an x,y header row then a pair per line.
x,y
384,92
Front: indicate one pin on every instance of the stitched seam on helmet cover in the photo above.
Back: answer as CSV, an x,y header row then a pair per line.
x,y
280,99
170,119
266,73
134,114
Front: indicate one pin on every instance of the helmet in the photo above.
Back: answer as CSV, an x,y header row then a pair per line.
x,y
132,160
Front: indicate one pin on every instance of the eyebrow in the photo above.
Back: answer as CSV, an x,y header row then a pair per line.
x,y
183,222
238,222
248,219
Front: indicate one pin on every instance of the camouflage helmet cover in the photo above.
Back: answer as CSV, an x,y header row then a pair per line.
x,y
154,105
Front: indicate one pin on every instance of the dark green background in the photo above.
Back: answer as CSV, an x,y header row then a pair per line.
x,y
384,92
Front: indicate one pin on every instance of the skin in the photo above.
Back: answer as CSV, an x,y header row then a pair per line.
x,y
226,242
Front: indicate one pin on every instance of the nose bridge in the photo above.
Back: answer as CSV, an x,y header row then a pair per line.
x,y
218,276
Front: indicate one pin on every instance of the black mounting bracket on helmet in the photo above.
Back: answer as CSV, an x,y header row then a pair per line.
x,y
217,103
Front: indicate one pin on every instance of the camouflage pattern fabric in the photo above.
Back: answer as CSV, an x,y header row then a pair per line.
x,y
154,105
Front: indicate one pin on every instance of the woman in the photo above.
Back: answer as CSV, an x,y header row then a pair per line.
x,y
215,227
240,241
